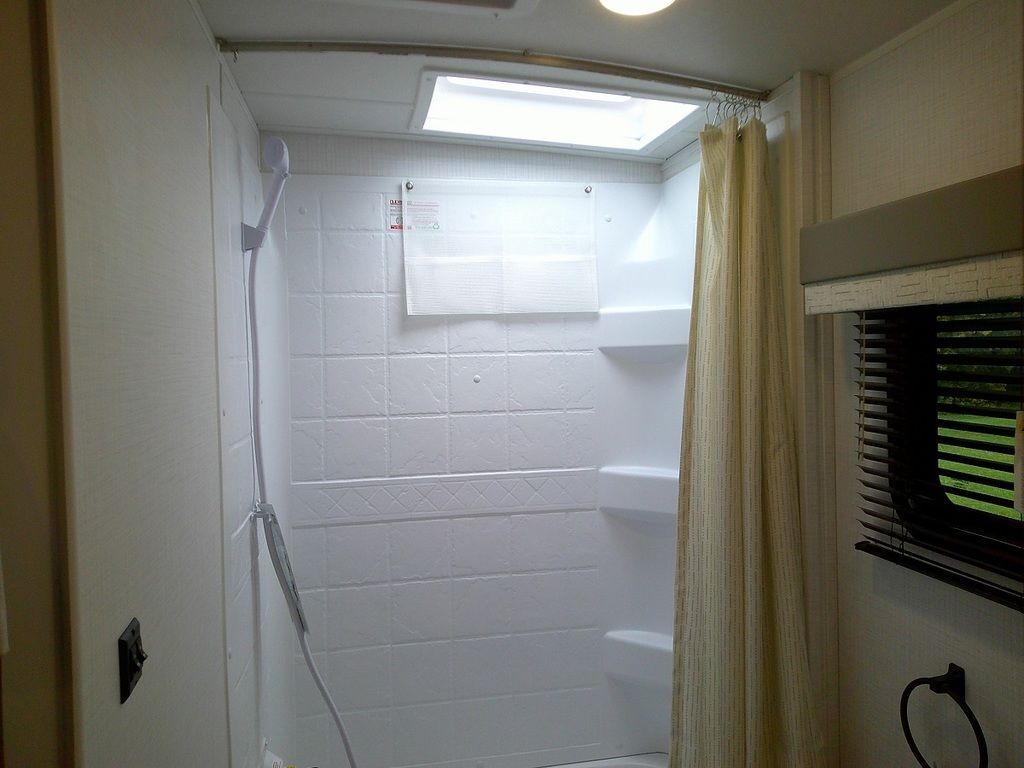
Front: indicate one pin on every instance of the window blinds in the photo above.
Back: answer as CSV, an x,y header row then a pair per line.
x,y
941,396
498,247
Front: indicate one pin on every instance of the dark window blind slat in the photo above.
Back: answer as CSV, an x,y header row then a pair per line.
x,y
978,428
974,461
970,342
995,397
994,482
1010,381
959,358
980,545
946,324
980,445
950,547
975,308
1006,412
898,439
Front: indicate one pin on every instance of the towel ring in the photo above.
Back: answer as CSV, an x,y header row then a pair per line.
x,y
953,684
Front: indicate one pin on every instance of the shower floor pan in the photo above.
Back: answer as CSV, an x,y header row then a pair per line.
x,y
652,760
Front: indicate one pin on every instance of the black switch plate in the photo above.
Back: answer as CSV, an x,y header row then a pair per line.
x,y
131,657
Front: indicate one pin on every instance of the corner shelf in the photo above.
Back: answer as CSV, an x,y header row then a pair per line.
x,y
644,334
645,495
638,656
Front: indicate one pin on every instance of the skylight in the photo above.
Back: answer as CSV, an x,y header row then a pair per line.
x,y
546,113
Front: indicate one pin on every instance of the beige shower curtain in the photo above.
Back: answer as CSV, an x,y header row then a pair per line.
x,y
741,692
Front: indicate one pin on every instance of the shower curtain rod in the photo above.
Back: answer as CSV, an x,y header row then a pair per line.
x,y
487,54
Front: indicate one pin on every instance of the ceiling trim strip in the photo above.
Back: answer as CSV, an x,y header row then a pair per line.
x,y
488,54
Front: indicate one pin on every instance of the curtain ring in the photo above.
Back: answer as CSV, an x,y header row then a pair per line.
x,y
707,107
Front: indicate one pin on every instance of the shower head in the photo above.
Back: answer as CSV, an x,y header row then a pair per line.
x,y
275,155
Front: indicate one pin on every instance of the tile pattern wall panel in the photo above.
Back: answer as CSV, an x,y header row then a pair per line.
x,y
363,156
454,639
258,633
508,392
407,498
442,499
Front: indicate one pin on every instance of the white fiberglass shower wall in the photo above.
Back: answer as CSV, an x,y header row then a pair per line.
x,y
482,508
258,635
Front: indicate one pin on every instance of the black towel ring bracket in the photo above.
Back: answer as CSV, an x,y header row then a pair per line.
x,y
953,684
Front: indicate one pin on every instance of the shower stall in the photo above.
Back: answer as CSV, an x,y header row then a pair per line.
x,y
480,508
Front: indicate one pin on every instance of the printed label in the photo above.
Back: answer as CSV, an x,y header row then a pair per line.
x,y
423,214
394,214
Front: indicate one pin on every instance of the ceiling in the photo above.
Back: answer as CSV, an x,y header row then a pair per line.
x,y
757,44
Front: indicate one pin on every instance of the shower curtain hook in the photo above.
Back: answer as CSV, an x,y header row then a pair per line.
x,y
713,99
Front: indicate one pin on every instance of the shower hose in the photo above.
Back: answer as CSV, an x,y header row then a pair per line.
x,y
265,512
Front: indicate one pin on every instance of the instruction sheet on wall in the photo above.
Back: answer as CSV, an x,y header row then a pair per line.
x,y
477,247
418,214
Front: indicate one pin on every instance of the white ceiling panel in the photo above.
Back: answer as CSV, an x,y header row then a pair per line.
x,y
746,43
370,94
338,75
753,43
328,115
497,8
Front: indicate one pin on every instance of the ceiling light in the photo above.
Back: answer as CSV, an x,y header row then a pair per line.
x,y
636,7
548,114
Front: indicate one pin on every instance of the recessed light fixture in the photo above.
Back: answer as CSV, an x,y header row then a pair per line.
x,y
536,112
636,7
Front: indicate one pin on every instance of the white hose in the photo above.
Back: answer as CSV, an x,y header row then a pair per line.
x,y
318,679
271,529
283,569
254,381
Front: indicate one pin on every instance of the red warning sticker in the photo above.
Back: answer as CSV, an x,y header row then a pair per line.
x,y
395,215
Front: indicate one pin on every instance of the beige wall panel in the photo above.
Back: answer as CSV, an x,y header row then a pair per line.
x,y
138,300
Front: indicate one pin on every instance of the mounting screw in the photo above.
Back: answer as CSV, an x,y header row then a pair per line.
x,y
588,189
408,185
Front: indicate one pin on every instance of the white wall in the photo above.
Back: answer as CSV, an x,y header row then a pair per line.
x,y
258,628
446,533
639,424
939,105
138,293
278,634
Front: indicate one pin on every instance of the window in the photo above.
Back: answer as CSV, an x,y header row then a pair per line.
x,y
941,419
545,113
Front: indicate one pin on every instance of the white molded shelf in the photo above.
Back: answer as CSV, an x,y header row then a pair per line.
x,y
647,495
637,656
651,334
